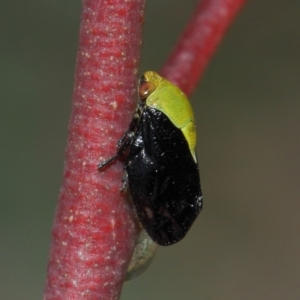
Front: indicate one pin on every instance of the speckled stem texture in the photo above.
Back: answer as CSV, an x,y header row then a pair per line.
x,y
94,232
199,41
94,228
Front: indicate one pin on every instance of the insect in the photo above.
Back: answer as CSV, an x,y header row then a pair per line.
x,y
161,167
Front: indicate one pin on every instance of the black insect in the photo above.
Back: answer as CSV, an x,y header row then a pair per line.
x,y
161,167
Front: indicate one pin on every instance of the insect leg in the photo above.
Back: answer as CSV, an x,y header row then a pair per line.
x,y
106,162
122,144
124,182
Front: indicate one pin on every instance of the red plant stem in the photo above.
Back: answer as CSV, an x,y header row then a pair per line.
x,y
199,41
94,228
94,231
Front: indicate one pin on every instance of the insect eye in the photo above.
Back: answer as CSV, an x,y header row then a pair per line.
x,y
146,88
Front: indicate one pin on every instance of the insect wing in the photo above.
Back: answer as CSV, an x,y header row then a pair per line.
x,y
163,178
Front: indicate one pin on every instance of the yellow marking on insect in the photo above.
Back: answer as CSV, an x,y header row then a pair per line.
x,y
170,100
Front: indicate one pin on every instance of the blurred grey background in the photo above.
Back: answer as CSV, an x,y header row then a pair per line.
x,y
245,245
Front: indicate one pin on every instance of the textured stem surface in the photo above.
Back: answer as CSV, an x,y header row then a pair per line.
x,y
94,232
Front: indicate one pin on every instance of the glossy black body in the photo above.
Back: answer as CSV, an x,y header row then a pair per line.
x,y
163,178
